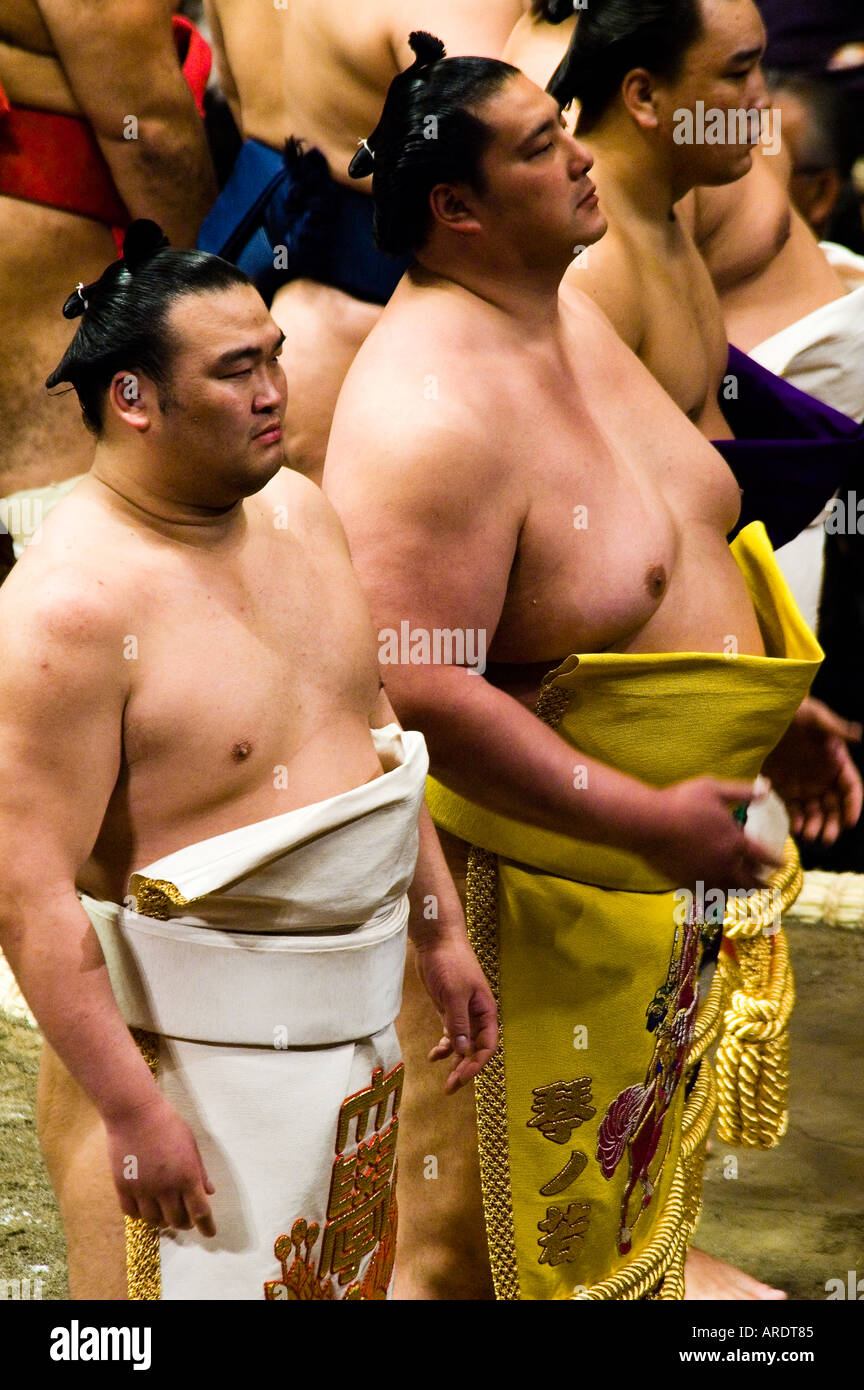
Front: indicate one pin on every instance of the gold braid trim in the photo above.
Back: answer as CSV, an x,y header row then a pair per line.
x,y
143,1270
658,1273
710,1019
489,1087
753,1057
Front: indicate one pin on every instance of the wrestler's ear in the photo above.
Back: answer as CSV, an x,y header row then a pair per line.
x,y
131,397
451,206
639,95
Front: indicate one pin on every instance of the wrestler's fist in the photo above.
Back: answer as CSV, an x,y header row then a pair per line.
x,y
452,977
696,838
157,1168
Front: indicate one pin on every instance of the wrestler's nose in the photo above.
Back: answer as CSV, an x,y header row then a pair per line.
x,y
271,392
581,159
758,94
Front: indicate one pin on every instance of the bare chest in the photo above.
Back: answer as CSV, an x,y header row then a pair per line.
x,y
617,477
684,345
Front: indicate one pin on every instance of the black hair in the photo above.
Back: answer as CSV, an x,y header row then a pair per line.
x,y
123,315
428,134
830,135
615,36
553,11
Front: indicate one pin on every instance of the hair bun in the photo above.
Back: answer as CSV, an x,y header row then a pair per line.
x,y
426,49
363,162
556,11
78,301
142,240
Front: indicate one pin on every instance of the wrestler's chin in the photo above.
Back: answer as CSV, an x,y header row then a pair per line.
x,y
592,223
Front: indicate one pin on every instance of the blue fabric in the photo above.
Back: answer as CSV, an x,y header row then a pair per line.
x,y
282,217
790,453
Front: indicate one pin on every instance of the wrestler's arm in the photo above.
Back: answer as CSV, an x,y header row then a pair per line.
x,y
446,964
465,27
121,62
62,696
433,535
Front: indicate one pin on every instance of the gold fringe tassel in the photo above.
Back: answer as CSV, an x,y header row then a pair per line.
x,y
143,1269
753,1056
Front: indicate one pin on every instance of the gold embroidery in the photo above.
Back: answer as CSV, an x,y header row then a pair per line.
x,y
561,1107
361,1205
564,1232
572,1169
143,1270
359,1106
154,897
298,1284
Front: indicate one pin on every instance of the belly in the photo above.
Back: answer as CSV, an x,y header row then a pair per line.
x,y
187,795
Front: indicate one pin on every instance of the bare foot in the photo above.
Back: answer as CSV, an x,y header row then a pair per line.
x,y
707,1278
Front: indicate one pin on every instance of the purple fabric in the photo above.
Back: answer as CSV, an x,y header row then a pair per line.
x,y
803,34
790,453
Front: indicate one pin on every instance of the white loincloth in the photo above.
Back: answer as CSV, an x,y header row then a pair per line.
x,y
273,985
22,513
822,354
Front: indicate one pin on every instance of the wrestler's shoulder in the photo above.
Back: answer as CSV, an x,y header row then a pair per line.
x,y
292,503
57,600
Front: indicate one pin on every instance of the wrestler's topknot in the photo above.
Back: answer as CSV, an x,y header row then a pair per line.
x,y
429,133
427,50
612,37
123,315
553,11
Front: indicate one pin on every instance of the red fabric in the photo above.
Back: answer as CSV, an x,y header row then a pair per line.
x,y
56,160
196,60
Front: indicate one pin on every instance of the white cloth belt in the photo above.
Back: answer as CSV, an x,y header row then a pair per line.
x,y
304,941
822,354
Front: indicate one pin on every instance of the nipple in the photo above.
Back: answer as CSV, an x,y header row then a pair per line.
x,y
240,752
656,581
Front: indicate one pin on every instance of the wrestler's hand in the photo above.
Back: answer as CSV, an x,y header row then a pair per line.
x,y
694,836
812,770
157,1168
451,975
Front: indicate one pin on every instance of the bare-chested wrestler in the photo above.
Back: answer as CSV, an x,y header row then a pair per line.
x,y
186,707
509,474
328,90
650,108
98,125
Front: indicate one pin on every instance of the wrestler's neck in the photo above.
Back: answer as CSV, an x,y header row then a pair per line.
x,y
633,170
147,498
527,295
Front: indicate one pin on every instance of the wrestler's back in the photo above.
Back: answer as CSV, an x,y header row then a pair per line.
x,y
43,440
252,665
336,64
542,435
537,47
765,262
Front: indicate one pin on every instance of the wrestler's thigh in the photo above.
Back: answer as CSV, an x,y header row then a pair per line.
x,y
73,1141
442,1252
324,329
